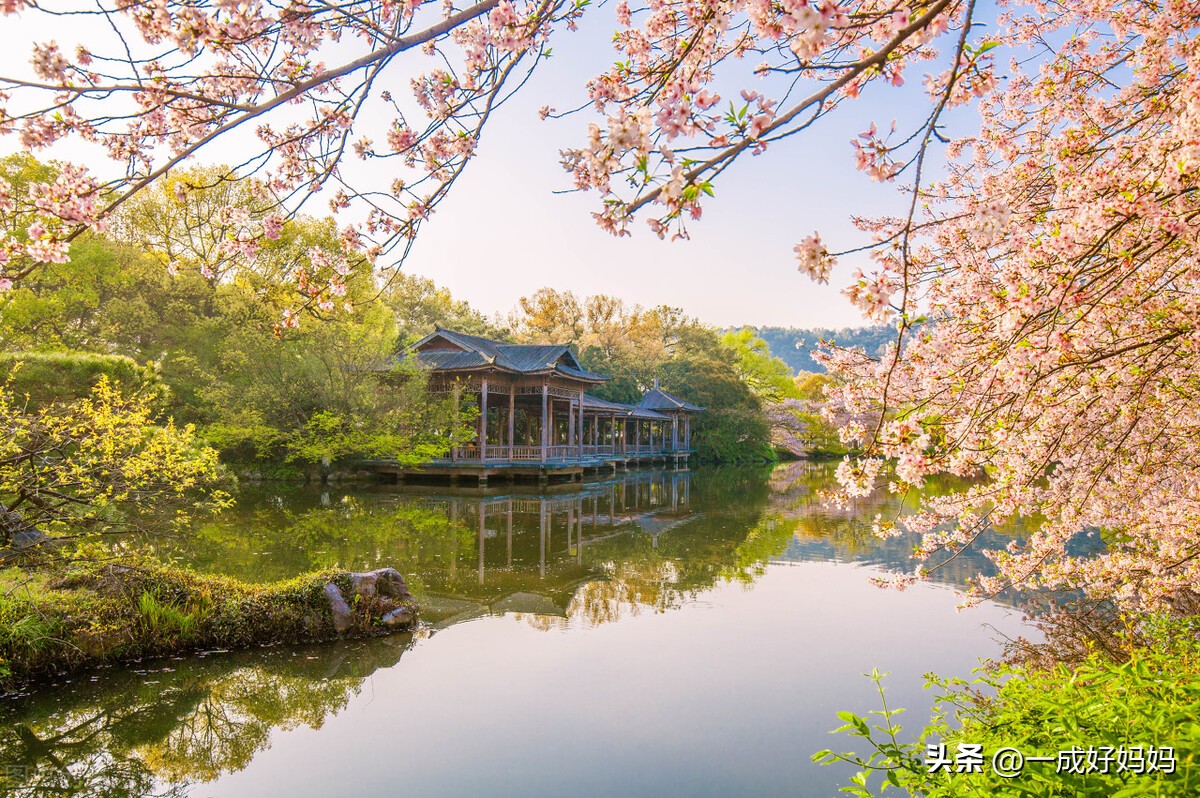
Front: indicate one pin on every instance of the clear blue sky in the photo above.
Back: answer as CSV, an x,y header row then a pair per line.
x,y
504,233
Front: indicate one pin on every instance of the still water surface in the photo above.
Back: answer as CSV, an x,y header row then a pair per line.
x,y
660,633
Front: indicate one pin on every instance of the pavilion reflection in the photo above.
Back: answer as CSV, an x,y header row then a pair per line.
x,y
532,549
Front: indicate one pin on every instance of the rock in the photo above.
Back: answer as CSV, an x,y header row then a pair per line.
x,y
386,582
403,616
342,618
384,587
364,584
390,583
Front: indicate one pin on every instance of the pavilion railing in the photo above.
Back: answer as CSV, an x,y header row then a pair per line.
x,y
528,454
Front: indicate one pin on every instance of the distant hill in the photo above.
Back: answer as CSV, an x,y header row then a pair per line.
x,y
788,343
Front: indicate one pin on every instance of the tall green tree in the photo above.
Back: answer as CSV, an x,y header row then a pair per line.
x,y
420,305
635,346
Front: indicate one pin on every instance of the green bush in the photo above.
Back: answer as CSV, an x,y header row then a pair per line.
x,y
1088,719
49,377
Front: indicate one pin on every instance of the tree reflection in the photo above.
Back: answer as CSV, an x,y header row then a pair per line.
x,y
160,731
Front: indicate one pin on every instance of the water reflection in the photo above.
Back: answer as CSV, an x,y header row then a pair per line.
x,y
606,555
158,729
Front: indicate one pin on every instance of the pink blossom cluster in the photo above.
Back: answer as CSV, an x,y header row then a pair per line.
x,y
39,222
1057,269
671,52
815,260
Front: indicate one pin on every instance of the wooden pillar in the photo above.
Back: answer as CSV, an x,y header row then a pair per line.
x,y
580,437
674,432
687,432
512,416
570,423
545,401
457,408
483,420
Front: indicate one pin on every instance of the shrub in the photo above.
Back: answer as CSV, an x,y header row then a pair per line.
x,y
50,377
1090,720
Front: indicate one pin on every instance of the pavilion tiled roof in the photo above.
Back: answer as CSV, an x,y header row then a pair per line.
x,y
633,411
658,399
475,353
447,360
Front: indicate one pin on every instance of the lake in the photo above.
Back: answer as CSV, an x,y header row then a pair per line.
x,y
656,633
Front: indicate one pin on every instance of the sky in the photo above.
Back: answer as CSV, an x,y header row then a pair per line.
x,y
506,230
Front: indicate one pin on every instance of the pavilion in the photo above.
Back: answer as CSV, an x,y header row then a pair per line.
x,y
536,417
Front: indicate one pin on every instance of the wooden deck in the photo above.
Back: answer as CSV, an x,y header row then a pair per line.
x,y
527,463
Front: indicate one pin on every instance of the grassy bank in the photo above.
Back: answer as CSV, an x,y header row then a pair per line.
x,y
57,619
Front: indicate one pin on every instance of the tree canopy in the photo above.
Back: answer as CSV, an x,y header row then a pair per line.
x,y
635,346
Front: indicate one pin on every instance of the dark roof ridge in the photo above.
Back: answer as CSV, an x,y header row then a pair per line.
x,y
657,398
